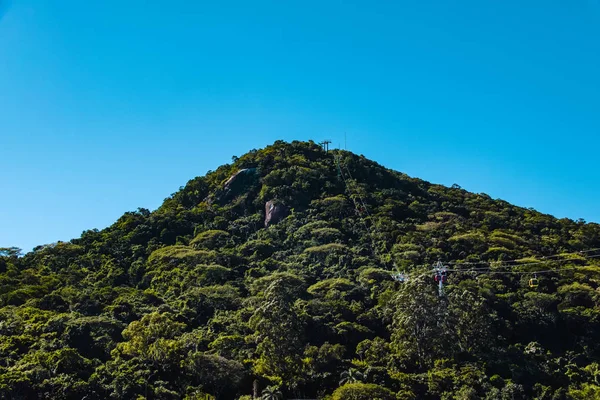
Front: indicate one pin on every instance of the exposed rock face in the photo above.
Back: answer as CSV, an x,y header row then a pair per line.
x,y
231,181
236,185
274,212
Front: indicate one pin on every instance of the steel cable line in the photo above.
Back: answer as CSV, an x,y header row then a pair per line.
x,y
355,193
491,271
520,260
364,208
482,271
349,191
361,206
523,264
364,205
503,264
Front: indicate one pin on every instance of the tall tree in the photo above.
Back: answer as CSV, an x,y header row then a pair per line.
x,y
279,331
418,323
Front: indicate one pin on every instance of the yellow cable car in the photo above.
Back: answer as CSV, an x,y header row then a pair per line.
x,y
534,282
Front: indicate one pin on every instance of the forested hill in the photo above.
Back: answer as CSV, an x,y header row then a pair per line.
x,y
273,276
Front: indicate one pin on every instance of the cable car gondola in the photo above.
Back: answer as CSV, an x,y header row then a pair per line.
x,y
534,282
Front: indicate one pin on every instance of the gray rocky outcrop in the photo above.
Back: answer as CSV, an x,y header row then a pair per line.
x,y
274,212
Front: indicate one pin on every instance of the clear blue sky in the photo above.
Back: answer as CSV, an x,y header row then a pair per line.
x,y
106,106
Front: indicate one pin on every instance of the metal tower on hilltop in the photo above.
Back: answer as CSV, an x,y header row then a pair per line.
x,y
325,144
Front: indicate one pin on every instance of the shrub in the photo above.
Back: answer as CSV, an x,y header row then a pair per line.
x,y
362,391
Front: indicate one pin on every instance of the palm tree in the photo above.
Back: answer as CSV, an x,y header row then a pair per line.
x,y
351,376
271,393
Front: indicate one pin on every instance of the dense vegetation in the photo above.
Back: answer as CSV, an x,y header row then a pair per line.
x,y
200,298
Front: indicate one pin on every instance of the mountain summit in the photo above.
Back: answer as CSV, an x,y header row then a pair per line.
x,y
299,273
